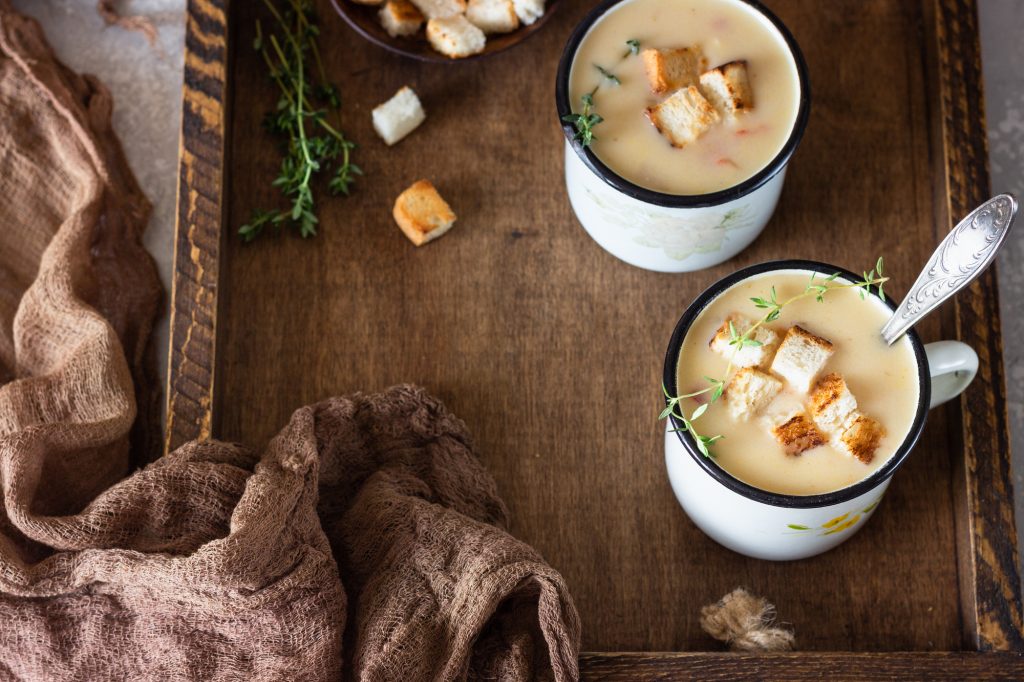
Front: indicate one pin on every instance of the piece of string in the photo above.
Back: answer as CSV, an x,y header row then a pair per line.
x,y
746,622
134,22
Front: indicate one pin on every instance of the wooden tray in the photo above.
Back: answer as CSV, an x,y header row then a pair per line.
x,y
550,349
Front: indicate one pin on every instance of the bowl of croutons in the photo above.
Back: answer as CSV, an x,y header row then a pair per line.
x,y
445,30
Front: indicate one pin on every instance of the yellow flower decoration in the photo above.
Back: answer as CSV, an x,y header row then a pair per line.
x,y
843,526
834,521
839,523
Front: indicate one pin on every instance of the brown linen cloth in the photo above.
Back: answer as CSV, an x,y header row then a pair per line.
x,y
367,541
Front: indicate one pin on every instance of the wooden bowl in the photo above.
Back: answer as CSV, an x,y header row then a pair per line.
x,y
363,19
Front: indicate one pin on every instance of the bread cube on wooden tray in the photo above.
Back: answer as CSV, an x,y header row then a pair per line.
x,y
422,214
399,116
454,28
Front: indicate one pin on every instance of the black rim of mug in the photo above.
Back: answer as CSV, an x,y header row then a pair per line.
x,y
778,499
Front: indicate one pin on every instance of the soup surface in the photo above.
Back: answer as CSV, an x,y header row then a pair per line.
x,y
732,150
882,378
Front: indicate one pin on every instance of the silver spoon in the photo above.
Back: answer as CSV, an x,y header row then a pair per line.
x,y
963,255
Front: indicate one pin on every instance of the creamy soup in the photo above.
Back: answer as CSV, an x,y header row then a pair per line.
x,y
733,149
882,378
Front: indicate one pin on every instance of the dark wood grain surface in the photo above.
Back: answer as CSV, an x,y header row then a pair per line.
x,y
550,349
800,667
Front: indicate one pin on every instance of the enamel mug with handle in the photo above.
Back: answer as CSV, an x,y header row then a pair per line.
x,y
768,525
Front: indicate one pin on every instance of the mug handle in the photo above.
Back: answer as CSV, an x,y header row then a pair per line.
x,y
953,366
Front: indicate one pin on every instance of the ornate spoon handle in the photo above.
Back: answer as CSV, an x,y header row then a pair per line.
x,y
961,257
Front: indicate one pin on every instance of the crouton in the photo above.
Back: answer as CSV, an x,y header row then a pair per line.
x,y
422,214
455,36
528,11
440,9
796,433
861,437
492,16
728,89
747,356
400,18
800,357
832,403
399,116
669,70
683,117
749,392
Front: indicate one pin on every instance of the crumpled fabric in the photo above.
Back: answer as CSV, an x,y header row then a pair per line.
x,y
366,541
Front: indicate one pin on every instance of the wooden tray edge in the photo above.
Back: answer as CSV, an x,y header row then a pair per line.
x,y
810,666
985,525
989,577
198,236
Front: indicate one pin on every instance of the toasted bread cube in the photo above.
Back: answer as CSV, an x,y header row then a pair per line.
x,y
669,70
400,18
422,214
492,16
832,404
399,116
747,356
683,117
440,9
528,11
728,89
800,357
861,437
795,432
749,393
455,36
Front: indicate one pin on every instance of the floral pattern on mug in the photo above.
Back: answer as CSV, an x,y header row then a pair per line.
x,y
839,523
679,238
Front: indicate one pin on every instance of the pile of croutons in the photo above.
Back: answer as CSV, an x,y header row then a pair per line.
x,y
697,98
830,414
456,28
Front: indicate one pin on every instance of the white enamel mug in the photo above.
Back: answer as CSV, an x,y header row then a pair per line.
x,y
767,525
669,232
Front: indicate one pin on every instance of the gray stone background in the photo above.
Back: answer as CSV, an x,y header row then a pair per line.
x,y
146,82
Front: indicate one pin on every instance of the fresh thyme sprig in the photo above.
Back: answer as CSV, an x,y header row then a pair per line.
x,y
608,75
816,288
311,143
585,120
673,407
